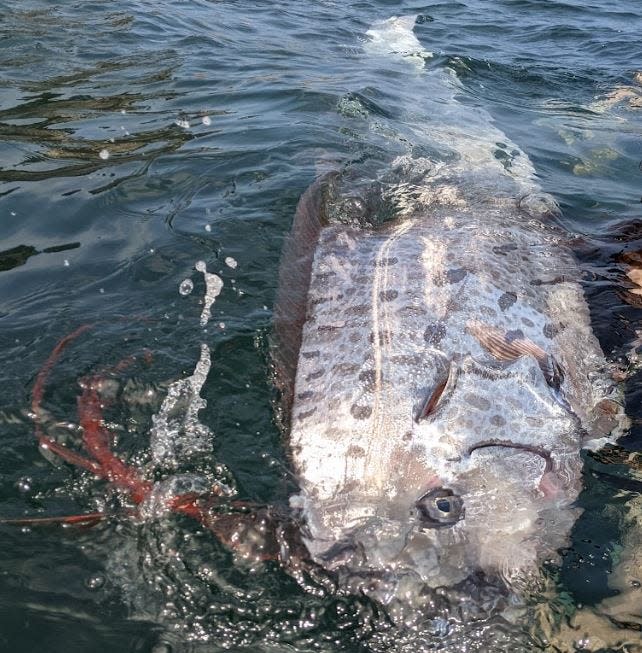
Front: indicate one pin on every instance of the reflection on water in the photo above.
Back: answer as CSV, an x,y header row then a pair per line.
x,y
138,138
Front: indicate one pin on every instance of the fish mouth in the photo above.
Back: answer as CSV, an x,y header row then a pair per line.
x,y
549,484
508,444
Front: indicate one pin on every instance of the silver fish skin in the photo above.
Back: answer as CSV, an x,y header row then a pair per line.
x,y
446,380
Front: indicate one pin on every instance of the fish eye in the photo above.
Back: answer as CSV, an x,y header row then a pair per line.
x,y
440,507
443,505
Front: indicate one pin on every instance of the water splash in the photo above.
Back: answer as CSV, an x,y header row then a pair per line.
x,y
213,287
177,433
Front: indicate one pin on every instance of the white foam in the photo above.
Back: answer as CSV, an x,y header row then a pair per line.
x,y
395,36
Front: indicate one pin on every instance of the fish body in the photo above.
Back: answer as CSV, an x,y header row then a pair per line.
x,y
426,309
439,368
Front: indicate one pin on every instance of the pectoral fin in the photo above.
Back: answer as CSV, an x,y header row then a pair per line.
x,y
511,345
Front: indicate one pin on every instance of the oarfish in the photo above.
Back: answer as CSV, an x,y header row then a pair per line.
x,y
440,372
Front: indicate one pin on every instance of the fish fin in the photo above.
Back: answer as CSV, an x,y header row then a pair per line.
x,y
445,384
294,282
511,345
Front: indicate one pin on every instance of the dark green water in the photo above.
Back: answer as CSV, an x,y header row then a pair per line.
x,y
141,137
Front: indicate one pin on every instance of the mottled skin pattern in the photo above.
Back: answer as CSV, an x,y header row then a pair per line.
x,y
393,313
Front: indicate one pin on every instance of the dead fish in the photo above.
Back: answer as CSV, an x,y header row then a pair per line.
x,y
441,378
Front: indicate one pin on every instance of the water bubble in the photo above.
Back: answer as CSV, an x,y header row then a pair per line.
x,y
208,227
24,484
206,120
104,154
66,262
13,213
231,262
94,582
182,122
186,287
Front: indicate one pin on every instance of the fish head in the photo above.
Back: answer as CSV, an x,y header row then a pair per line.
x,y
483,484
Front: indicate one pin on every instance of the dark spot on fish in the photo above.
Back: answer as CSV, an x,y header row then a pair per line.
x,y
346,368
435,332
315,375
360,412
356,451
456,275
507,300
319,300
407,436
359,309
476,401
367,377
487,311
550,282
355,336
392,260
514,334
388,295
361,279
324,276
305,395
497,420
412,310
527,322
328,328
502,250
307,413
550,330
310,354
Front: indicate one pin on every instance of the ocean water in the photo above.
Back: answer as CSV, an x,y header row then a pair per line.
x,y
144,142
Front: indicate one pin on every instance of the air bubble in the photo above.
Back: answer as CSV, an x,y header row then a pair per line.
x,y
24,484
95,582
231,262
206,120
186,287
104,154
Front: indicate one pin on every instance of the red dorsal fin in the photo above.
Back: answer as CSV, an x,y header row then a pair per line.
x,y
294,282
